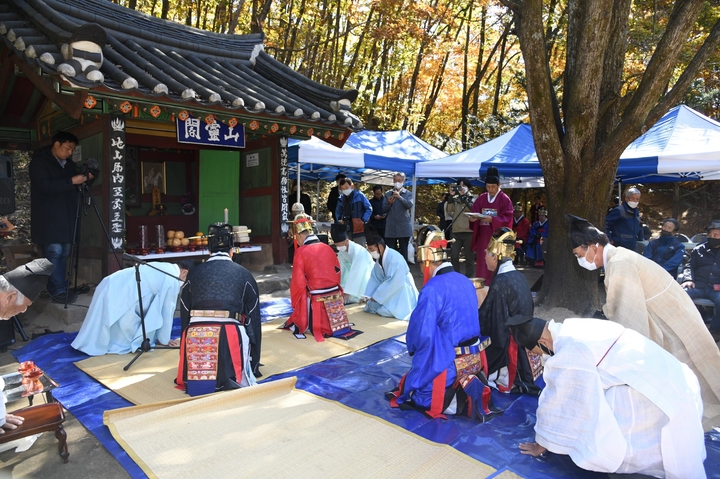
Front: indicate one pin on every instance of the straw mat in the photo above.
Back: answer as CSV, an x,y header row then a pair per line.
x,y
150,378
274,430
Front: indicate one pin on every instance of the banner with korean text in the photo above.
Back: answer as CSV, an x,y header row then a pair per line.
x,y
210,131
284,187
117,181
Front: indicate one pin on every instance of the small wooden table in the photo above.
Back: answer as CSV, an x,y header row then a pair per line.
x,y
44,418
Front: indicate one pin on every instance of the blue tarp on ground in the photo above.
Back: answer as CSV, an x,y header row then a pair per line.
x,y
358,380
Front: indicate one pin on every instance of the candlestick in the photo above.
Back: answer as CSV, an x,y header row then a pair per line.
x,y
226,216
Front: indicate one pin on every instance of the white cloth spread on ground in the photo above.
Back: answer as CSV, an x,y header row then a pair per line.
x,y
617,402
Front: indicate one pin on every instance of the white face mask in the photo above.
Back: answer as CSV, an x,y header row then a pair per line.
x,y
633,204
347,192
544,358
398,186
582,261
342,249
463,190
375,255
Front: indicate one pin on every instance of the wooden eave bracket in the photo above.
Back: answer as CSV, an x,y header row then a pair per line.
x,y
72,105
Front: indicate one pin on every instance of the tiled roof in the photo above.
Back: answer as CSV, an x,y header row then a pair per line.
x,y
158,58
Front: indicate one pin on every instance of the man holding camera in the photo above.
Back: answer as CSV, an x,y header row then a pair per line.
x,y
54,182
458,203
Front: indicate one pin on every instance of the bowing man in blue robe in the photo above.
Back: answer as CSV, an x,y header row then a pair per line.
x,y
391,291
112,324
443,339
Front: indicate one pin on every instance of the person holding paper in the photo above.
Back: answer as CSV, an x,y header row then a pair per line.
x,y
494,210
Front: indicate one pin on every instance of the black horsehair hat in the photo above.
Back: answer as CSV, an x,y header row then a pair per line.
x,y
526,329
220,237
31,278
492,176
372,237
581,231
338,233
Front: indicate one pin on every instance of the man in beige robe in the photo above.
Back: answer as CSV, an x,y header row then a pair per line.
x,y
642,296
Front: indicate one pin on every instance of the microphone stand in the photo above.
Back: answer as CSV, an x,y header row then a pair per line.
x,y
145,346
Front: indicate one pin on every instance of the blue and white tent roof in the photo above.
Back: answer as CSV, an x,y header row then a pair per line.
x,y
370,156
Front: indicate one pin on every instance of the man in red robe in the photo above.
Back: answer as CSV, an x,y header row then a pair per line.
x,y
315,291
494,210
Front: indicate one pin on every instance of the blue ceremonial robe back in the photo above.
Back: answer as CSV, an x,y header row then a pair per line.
x,y
445,316
112,323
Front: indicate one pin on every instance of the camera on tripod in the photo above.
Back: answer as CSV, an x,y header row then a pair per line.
x,y
89,167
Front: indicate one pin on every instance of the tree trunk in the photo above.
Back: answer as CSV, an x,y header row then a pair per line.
x,y
580,149
165,9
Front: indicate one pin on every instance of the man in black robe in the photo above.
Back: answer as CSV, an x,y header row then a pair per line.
x,y
509,295
224,306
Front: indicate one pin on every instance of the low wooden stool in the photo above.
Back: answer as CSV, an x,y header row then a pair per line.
x,y
44,418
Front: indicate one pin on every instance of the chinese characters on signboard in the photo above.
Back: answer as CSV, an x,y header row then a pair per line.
x,y
284,187
117,181
196,131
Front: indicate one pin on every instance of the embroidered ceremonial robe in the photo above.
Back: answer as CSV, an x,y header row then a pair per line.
x,y
534,249
112,323
508,365
642,296
355,267
316,272
445,317
391,287
616,402
501,209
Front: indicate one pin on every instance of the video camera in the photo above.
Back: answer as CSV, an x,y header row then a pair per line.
x,y
89,167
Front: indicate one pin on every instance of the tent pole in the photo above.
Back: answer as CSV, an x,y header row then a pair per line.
x,y
317,202
414,191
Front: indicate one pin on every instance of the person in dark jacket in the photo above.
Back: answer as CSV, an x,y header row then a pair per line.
x,y
622,224
440,212
333,197
377,219
353,211
54,182
667,250
398,205
705,269
304,199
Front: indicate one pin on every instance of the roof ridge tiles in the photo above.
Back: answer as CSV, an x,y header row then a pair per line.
x,y
202,41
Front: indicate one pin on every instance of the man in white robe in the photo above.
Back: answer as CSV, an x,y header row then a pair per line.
x,y
614,401
644,297
355,264
112,324
391,291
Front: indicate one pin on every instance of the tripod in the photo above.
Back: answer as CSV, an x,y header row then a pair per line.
x,y
84,199
145,345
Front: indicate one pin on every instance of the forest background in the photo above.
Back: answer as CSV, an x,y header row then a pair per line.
x,y
449,71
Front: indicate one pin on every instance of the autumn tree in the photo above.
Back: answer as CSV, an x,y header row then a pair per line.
x,y
582,123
